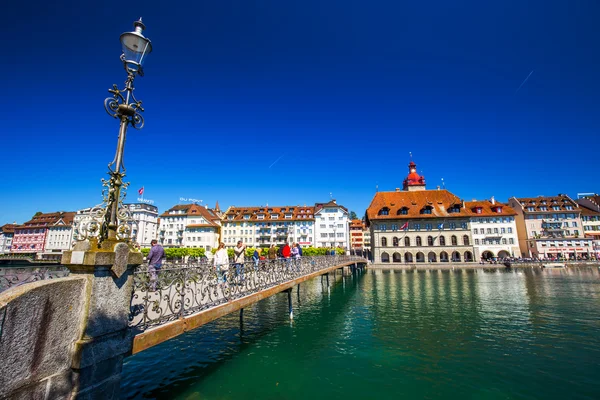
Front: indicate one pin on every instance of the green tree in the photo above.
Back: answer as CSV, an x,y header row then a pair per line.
x,y
353,215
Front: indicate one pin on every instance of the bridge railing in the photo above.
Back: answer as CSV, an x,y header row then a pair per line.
x,y
179,290
16,276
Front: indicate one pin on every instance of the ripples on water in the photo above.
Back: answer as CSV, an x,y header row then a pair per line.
x,y
486,334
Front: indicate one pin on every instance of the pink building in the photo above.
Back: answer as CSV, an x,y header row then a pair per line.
x,y
31,236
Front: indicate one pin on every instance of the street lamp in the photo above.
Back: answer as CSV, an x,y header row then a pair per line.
x,y
125,107
110,220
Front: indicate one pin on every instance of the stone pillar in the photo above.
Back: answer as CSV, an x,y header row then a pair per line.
x,y
97,358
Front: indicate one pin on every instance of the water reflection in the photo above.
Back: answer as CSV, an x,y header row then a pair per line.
x,y
439,334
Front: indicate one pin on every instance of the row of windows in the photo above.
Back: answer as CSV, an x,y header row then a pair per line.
x,y
330,234
430,241
418,226
566,232
544,208
591,218
424,210
489,230
494,241
431,257
551,216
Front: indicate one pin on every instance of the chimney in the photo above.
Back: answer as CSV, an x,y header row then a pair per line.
x,y
438,188
397,189
493,200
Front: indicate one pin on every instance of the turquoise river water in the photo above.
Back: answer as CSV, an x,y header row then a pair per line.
x,y
486,334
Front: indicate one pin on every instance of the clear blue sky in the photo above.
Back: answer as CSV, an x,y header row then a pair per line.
x,y
339,92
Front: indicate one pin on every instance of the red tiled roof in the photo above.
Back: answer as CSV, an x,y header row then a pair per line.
x,y
438,200
8,228
193,210
562,201
487,208
298,212
44,220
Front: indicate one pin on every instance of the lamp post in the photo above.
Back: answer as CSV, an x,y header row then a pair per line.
x,y
126,108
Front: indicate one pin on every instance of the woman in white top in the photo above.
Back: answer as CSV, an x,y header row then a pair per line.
x,y
221,263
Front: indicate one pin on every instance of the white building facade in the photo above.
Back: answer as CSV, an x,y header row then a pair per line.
x,y
60,234
146,227
332,225
6,237
494,230
190,225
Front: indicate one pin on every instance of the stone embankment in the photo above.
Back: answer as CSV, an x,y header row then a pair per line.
x,y
454,266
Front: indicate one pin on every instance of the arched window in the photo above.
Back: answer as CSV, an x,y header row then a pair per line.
x,y
383,242
429,241
408,258
384,211
454,241
418,240
407,241
402,211
395,241
385,257
442,241
466,240
396,257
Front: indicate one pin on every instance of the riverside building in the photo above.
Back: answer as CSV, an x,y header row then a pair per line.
x,y
418,225
32,236
550,227
494,230
190,225
60,234
590,219
7,233
266,225
331,225
146,223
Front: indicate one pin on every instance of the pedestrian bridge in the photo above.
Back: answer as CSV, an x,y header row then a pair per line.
x,y
186,296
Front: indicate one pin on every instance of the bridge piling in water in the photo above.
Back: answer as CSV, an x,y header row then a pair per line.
x,y
289,292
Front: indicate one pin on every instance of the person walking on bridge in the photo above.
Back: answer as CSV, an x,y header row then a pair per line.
x,y
155,260
221,263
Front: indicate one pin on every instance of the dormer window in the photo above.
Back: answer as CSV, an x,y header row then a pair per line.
x,y
403,211
478,210
426,210
384,211
273,216
498,210
247,216
454,209
544,202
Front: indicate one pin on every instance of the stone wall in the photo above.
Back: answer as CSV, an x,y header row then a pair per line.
x,y
39,325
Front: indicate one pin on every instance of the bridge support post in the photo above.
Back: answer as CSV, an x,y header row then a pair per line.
x,y
104,339
289,293
241,315
327,275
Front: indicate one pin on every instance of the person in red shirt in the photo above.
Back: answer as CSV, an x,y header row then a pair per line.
x,y
286,252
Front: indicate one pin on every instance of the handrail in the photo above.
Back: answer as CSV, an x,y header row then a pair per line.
x,y
178,290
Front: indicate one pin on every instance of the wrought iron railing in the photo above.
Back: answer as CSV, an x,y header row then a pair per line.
x,y
179,290
14,276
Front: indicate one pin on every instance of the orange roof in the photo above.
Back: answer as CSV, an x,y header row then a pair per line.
x,y
561,201
487,208
8,228
440,201
193,210
42,220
